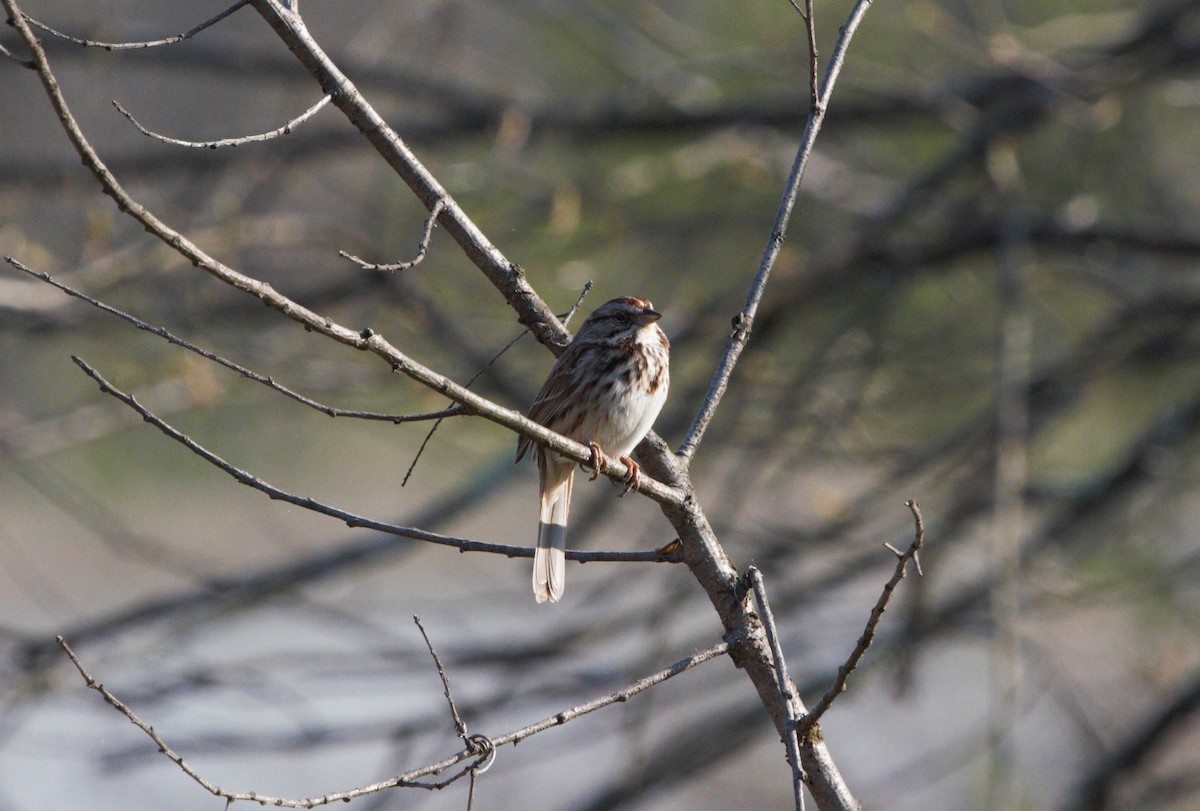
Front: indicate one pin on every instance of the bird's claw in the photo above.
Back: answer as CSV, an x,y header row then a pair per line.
x,y
596,463
635,472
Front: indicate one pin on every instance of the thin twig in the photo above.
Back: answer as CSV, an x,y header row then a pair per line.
x,y
480,761
786,687
868,635
351,519
566,318
123,46
814,70
249,374
460,727
621,695
25,63
223,142
744,320
422,248
138,722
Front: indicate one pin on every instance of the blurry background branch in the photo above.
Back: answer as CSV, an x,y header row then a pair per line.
x,y
871,376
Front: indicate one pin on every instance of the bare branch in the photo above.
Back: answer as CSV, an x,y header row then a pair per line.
x,y
814,70
744,320
803,14
786,688
506,276
409,779
123,46
249,374
522,297
460,727
868,634
422,248
621,695
351,520
25,63
244,139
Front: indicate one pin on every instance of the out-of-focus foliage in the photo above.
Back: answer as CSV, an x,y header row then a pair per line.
x,y
1004,200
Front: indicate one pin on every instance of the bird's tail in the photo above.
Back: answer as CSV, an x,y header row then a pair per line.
x,y
550,557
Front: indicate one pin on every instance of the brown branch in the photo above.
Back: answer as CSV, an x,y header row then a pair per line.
x,y
422,248
351,519
123,46
868,635
624,694
244,139
480,762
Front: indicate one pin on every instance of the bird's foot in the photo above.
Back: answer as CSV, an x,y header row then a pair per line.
x,y
635,472
596,463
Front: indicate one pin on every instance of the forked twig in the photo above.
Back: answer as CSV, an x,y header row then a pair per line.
x,y
868,635
481,745
479,762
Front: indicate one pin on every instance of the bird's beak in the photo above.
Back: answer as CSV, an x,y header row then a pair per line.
x,y
648,316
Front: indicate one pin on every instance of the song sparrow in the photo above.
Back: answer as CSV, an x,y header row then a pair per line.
x,y
604,390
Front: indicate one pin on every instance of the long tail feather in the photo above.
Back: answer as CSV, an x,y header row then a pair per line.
x,y
550,557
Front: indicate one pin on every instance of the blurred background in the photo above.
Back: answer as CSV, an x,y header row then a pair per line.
x,y
988,301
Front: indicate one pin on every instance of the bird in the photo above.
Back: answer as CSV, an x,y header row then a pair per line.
x,y
605,390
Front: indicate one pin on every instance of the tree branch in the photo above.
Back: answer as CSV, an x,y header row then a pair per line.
x,y
250,374
786,688
506,276
744,320
422,247
408,779
238,141
123,46
868,634
350,519
365,338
